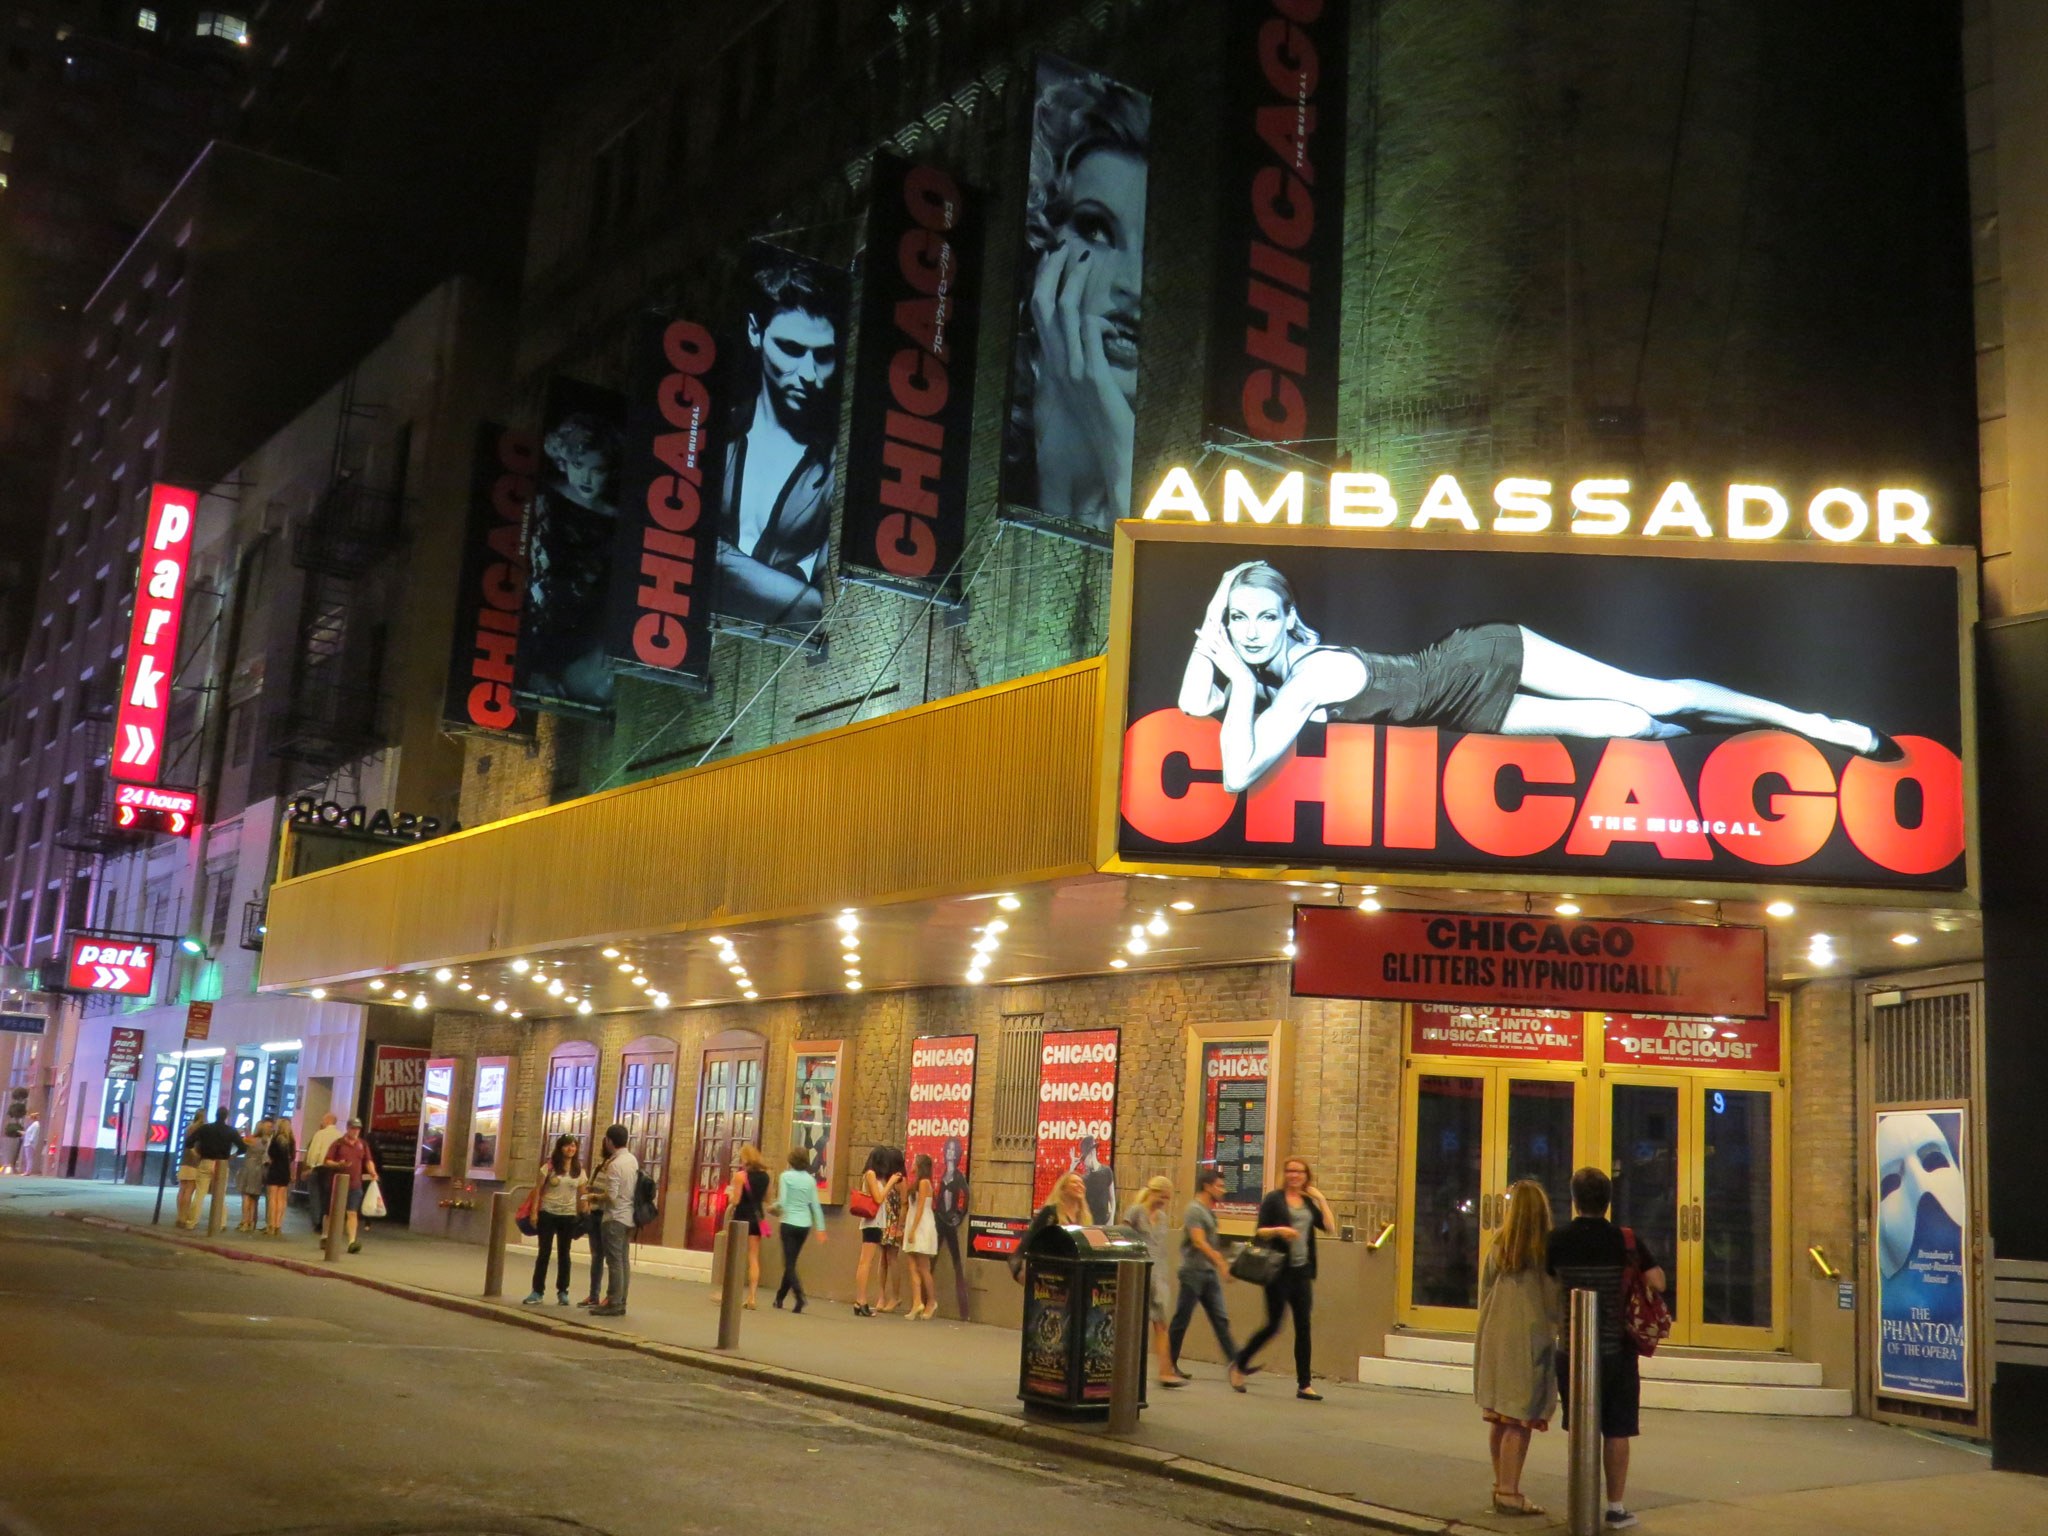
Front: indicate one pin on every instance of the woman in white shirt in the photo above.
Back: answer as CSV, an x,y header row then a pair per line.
x,y
559,1214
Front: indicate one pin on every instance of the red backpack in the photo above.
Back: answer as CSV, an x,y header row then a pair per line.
x,y
1643,1313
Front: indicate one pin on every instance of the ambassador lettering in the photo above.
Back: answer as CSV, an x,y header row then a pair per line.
x,y
495,652
667,588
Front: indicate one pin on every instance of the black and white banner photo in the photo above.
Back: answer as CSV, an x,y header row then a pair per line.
x,y
664,559
779,484
569,529
1315,699
913,405
1277,324
1072,424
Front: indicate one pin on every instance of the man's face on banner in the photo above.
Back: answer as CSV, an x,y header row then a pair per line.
x,y
799,354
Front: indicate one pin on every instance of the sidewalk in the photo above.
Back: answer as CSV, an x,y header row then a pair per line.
x,y
1417,1452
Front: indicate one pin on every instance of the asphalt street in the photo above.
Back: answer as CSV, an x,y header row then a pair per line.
x,y
147,1388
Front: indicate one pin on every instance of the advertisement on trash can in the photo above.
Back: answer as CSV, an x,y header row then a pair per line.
x,y
1046,1320
1098,1343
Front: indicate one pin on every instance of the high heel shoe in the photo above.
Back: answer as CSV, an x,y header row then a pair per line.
x,y
931,1311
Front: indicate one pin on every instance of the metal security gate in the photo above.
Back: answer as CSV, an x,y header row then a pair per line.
x,y
1923,1039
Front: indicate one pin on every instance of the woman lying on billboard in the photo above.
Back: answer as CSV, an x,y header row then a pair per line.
x,y
1267,674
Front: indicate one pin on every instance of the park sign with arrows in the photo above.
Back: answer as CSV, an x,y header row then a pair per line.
x,y
116,966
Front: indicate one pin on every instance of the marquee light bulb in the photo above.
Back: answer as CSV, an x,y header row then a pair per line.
x,y
398,994
1118,963
1157,927
626,966
377,984
640,982
750,994
849,940
1183,905
848,922
1008,903
444,975
522,966
317,993
1287,949
1369,904
1780,909
997,925
853,986
584,1006
609,953
1138,944
483,997
419,1002
555,988
517,1014
1906,938
463,986
500,1006
1568,909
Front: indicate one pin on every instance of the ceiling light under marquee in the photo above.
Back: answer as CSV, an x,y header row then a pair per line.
x,y
1369,904
317,993
1780,909
1157,927
1906,938
1183,905
419,1002
522,966
1568,908
584,1006
609,953
500,1006
1118,963
377,985
847,922
1008,903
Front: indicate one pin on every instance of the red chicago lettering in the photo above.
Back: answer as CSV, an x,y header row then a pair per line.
x,y
1635,797
675,501
502,587
1167,740
1340,781
1472,793
1870,808
1793,825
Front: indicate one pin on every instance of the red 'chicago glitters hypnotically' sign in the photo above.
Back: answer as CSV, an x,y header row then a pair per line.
x,y
143,715
1452,957
1077,1116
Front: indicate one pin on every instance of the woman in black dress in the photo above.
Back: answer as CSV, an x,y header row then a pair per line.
x,y
1267,674
746,1199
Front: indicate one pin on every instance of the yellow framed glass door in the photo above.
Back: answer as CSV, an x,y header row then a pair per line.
x,y
1471,1132
1698,1167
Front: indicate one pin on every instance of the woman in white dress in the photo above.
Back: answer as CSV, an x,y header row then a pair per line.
x,y
921,1241
1149,1215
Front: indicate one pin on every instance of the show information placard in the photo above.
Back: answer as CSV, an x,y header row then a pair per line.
x,y
665,555
1922,1237
1277,328
1540,962
1497,1034
913,405
1234,1121
1663,1040
437,1096
816,1070
487,1120
1077,1077
1540,706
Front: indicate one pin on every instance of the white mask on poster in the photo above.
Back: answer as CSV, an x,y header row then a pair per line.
x,y
1914,1160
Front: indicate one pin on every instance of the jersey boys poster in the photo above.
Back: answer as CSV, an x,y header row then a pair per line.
x,y
1077,1073
1276,330
913,407
1319,697
1922,1235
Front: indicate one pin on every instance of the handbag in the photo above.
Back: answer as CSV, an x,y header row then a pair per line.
x,y
524,1218
862,1204
1643,1313
373,1201
1257,1264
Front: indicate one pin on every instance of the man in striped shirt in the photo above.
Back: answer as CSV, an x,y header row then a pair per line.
x,y
1592,1255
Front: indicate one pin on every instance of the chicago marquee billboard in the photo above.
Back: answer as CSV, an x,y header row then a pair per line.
x,y
1323,698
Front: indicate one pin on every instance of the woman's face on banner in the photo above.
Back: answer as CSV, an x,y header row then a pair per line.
x,y
1106,217
1257,624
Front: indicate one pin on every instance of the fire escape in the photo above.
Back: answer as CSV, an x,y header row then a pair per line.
x,y
88,829
327,716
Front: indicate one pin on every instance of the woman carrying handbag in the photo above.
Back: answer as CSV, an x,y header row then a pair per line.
x,y
559,1201
1289,1218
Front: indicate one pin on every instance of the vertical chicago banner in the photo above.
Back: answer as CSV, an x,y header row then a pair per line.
x,y
484,654
913,402
1275,333
1068,442
569,528
665,552
942,1128
778,480
1077,1071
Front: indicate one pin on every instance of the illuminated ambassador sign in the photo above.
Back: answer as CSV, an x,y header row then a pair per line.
x,y
1601,507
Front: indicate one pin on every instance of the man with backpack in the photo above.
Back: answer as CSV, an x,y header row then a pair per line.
x,y
615,1191
1593,1254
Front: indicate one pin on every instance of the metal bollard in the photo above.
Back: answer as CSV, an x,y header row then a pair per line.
x,y
502,1207
733,1285
1584,1450
337,1217
1133,1319
217,1207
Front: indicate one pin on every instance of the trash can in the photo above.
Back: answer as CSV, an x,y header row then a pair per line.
x,y
1068,1348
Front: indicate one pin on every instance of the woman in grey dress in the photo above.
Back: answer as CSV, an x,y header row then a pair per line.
x,y
1149,1215
1514,1373
249,1169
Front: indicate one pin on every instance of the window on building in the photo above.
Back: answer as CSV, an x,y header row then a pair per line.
x,y
10,837
1017,1080
615,184
225,25
241,733
220,883
146,19
6,142
78,902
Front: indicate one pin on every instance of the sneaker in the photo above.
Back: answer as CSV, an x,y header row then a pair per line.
x,y
1619,1519
588,1301
561,1298
608,1310
533,1299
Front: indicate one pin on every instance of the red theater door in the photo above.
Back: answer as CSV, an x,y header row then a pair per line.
x,y
728,1118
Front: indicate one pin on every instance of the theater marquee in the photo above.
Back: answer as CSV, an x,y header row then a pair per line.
x,y
1686,713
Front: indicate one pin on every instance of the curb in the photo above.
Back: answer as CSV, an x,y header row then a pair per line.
x,y
977,1421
